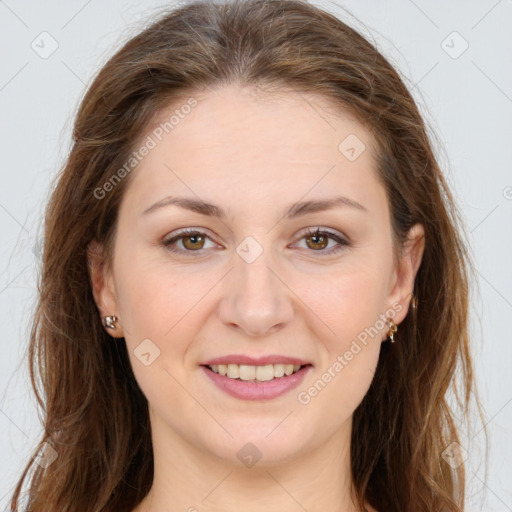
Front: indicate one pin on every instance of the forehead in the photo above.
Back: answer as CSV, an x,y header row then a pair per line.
x,y
244,116
255,142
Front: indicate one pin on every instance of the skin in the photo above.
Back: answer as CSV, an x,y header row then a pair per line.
x,y
253,154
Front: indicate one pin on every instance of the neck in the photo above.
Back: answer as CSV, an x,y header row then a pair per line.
x,y
187,478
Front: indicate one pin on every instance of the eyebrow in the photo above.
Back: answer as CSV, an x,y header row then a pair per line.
x,y
295,210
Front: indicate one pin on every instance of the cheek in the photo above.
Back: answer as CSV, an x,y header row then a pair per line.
x,y
349,310
348,307
153,296
156,309
160,303
348,301
146,303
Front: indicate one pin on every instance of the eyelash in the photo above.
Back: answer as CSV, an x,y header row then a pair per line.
x,y
309,233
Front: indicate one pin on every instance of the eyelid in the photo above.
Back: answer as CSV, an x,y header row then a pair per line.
x,y
187,231
320,229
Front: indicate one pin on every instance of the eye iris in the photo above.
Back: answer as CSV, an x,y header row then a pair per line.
x,y
317,238
193,237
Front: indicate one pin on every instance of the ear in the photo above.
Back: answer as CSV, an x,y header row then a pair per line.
x,y
102,283
405,273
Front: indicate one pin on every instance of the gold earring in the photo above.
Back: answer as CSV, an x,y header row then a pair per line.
x,y
392,329
110,321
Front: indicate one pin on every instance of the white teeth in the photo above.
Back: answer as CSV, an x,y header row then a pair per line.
x,y
264,373
247,372
278,370
260,373
233,371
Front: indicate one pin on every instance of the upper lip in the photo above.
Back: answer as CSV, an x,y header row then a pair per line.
x,y
255,361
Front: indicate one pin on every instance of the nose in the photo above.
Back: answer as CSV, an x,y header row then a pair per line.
x,y
256,300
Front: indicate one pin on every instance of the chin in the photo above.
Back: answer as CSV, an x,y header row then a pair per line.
x,y
261,443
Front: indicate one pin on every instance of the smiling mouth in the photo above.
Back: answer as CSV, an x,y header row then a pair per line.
x,y
250,373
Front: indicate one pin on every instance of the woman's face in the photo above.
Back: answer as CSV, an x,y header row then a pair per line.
x,y
254,283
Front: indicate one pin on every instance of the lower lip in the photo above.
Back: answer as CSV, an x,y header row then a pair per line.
x,y
267,390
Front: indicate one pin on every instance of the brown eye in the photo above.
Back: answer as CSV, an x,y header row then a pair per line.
x,y
189,242
318,241
193,241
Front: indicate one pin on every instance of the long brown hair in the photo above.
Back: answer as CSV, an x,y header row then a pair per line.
x,y
95,415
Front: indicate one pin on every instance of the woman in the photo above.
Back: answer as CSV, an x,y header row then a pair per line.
x,y
254,288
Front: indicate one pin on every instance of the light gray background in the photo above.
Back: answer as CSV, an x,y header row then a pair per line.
x,y
466,100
